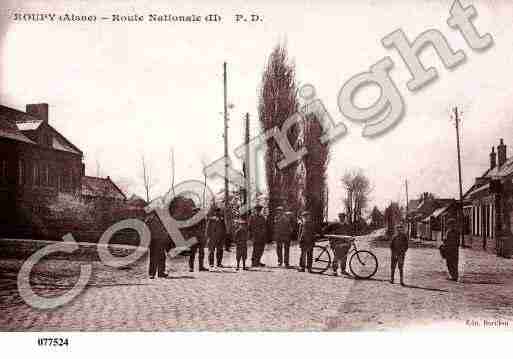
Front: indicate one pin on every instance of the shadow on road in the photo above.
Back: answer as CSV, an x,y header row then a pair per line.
x,y
115,285
179,277
425,288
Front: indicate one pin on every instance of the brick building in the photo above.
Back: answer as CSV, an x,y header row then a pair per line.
x,y
36,163
44,191
490,203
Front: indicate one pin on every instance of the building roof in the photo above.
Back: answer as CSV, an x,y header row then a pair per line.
x,y
23,124
500,171
101,188
10,131
18,116
135,200
439,211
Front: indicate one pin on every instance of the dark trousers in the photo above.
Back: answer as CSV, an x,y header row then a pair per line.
x,y
241,254
157,261
200,249
258,251
452,264
283,251
228,242
217,252
397,260
306,257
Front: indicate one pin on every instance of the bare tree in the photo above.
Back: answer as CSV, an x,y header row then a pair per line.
x,y
146,178
277,103
315,167
172,159
358,188
426,196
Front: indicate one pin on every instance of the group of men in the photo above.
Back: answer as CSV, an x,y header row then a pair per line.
x,y
212,234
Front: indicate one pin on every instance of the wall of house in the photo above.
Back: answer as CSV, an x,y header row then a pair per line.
x,y
35,175
8,160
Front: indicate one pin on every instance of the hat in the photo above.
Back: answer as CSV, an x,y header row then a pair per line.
x,y
279,208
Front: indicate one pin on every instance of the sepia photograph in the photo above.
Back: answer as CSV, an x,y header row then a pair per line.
x,y
266,167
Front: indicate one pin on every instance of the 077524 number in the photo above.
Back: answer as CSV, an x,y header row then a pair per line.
x,y
52,342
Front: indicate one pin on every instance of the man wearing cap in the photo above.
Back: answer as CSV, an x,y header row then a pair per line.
x,y
199,232
282,232
307,241
241,242
216,231
451,244
258,234
398,246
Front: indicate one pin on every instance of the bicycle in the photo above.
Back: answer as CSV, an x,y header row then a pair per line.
x,y
363,264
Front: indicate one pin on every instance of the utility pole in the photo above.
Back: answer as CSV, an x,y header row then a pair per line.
x,y
247,174
227,214
407,209
457,120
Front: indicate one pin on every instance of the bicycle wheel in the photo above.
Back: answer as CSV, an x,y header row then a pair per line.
x,y
321,259
363,264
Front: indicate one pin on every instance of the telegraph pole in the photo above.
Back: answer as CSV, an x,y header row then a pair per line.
x,y
406,217
226,164
247,167
457,120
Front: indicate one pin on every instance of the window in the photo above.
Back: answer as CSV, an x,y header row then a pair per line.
x,y
21,172
36,175
3,171
47,174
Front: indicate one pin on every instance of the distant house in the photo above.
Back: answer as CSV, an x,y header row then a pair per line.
x,y
426,217
136,201
96,188
439,218
489,208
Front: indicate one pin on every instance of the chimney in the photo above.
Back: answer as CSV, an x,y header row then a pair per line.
x,y
39,110
501,152
493,158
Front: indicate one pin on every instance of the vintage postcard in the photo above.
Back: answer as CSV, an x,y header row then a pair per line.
x,y
271,166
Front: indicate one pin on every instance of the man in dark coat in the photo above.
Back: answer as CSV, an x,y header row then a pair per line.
x,y
451,248
307,241
282,232
398,247
241,243
258,234
216,231
159,244
199,232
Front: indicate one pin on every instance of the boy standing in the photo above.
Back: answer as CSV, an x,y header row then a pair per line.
x,y
340,247
307,241
398,246
241,242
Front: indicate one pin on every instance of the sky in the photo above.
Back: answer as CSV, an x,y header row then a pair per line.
x,y
120,91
